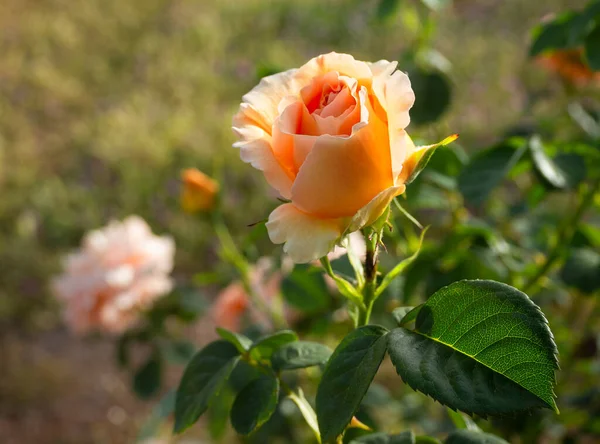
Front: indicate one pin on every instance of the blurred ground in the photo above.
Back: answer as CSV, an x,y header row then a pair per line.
x,y
102,103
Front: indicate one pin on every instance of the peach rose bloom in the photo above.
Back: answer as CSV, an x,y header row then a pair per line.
x,y
330,137
198,191
119,270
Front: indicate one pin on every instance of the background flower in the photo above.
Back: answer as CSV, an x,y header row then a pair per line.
x,y
198,191
119,270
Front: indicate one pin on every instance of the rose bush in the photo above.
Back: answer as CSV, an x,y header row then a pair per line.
x,y
330,137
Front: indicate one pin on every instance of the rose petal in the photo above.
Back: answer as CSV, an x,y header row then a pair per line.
x,y
259,106
342,174
259,154
396,97
305,237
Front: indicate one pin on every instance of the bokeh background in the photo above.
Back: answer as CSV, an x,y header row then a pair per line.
x,y
104,102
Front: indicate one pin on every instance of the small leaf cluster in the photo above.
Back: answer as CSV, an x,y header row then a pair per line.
x,y
211,368
478,346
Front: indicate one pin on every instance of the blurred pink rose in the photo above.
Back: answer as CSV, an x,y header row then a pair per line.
x,y
233,304
120,270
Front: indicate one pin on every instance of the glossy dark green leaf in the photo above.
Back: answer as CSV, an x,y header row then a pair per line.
x,y
472,437
255,404
485,171
433,94
265,346
147,379
300,354
347,377
582,270
407,437
241,342
305,289
592,48
481,347
387,8
203,378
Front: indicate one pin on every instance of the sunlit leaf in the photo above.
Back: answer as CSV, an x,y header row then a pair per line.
x,y
545,166
481,347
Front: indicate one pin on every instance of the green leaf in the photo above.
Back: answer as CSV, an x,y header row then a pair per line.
x,y
347,377
592,48
400,312
433,94
582,270
425,153
203,378
387,8
462,421
552,35
545,166
241,342
265,346
218,414
383,438
486,170
255,404
479,346
585,119
399,268
305,289
472,437
407,316
300,354
147,379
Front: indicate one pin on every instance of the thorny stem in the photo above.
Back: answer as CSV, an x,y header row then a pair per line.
x,y
564,236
